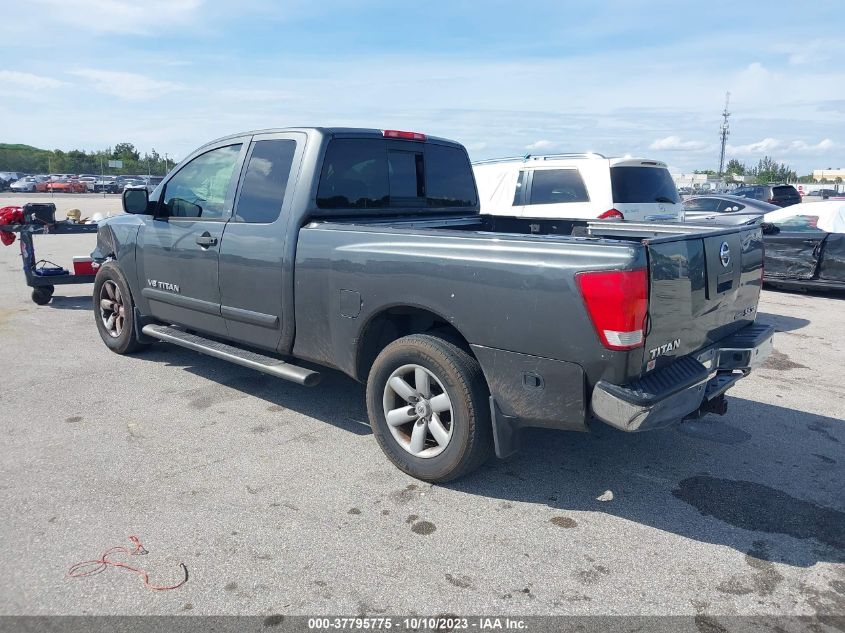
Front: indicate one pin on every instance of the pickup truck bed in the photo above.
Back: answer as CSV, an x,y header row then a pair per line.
x,y
464,327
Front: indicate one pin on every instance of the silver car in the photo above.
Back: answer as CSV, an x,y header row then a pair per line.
x,y
725,209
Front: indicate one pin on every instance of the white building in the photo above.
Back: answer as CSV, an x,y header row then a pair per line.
x,y
828,174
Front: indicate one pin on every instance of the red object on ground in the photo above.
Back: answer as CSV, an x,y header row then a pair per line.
x,y
10,215
99,565
83,266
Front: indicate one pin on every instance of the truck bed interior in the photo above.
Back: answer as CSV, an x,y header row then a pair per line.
x,y
609,229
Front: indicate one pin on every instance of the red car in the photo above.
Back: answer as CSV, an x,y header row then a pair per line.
x,y
64,185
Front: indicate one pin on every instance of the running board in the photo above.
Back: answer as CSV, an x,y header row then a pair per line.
x,y
245,358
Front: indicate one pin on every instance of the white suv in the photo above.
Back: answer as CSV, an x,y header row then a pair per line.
x,y
578,186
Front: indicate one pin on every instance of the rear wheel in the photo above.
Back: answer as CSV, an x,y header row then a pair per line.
x,y
114,311
428,405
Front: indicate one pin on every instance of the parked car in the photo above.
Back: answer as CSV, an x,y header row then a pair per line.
x,y
578,186
822,194
88,181
364,250
780,195
61,185
24,185
8,177
130,182
805,246
725,209
149,183
105,184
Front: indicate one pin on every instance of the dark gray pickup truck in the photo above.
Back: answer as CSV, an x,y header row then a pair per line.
x,y
364,251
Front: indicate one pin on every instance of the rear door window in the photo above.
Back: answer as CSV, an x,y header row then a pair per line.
x,y
265,181
557,186
643,185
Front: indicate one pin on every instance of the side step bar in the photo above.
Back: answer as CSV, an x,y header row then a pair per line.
x,y
245,358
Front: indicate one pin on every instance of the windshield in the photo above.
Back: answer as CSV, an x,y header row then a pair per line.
x,y
643,184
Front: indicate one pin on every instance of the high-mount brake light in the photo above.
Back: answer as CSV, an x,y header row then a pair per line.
x,y
612,214
411,136
617,302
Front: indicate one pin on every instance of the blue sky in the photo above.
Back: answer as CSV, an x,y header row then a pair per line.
x,y
504,78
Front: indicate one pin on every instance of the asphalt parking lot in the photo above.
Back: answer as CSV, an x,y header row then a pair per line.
x,y
278,500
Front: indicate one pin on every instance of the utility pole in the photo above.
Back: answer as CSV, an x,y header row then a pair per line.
x,y
724,132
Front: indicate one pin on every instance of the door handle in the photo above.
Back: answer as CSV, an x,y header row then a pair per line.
x,y
205,240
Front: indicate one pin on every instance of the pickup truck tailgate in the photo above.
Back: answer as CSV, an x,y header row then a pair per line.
x,y
703,286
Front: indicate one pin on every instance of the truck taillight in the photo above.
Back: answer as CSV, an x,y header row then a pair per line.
x,y
612,214
617,302
411,136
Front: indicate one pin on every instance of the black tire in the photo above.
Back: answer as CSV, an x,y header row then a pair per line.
x,y
42,294
459,373
127,341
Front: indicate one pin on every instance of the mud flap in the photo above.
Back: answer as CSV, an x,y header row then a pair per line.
x,y
505,431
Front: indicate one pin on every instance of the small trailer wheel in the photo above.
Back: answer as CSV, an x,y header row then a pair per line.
x,y
42,294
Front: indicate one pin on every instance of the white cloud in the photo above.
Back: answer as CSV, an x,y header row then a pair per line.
x,y
758,147
129,86
769,145
802,146
674,143
118,16
541,144
28,80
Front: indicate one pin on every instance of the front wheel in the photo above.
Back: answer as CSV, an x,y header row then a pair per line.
x,y
114,310
428,406
41,295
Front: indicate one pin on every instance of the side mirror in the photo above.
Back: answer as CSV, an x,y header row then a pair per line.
x,y
769,228
136,200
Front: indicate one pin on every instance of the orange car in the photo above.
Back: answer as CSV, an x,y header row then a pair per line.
x,y
64,185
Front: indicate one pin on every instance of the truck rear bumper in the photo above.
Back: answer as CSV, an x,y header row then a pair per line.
x,y
674,392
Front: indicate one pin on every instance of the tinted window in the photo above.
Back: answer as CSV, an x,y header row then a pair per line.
x,y
642,184
787,191
555,186
265,181
517,194
448,180
702,204
405,177
730,206
354,175
199,189
363,174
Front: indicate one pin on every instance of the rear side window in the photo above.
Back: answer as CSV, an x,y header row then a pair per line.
x,y
517,194
367,174
643,184
557,186
701,204
265,181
